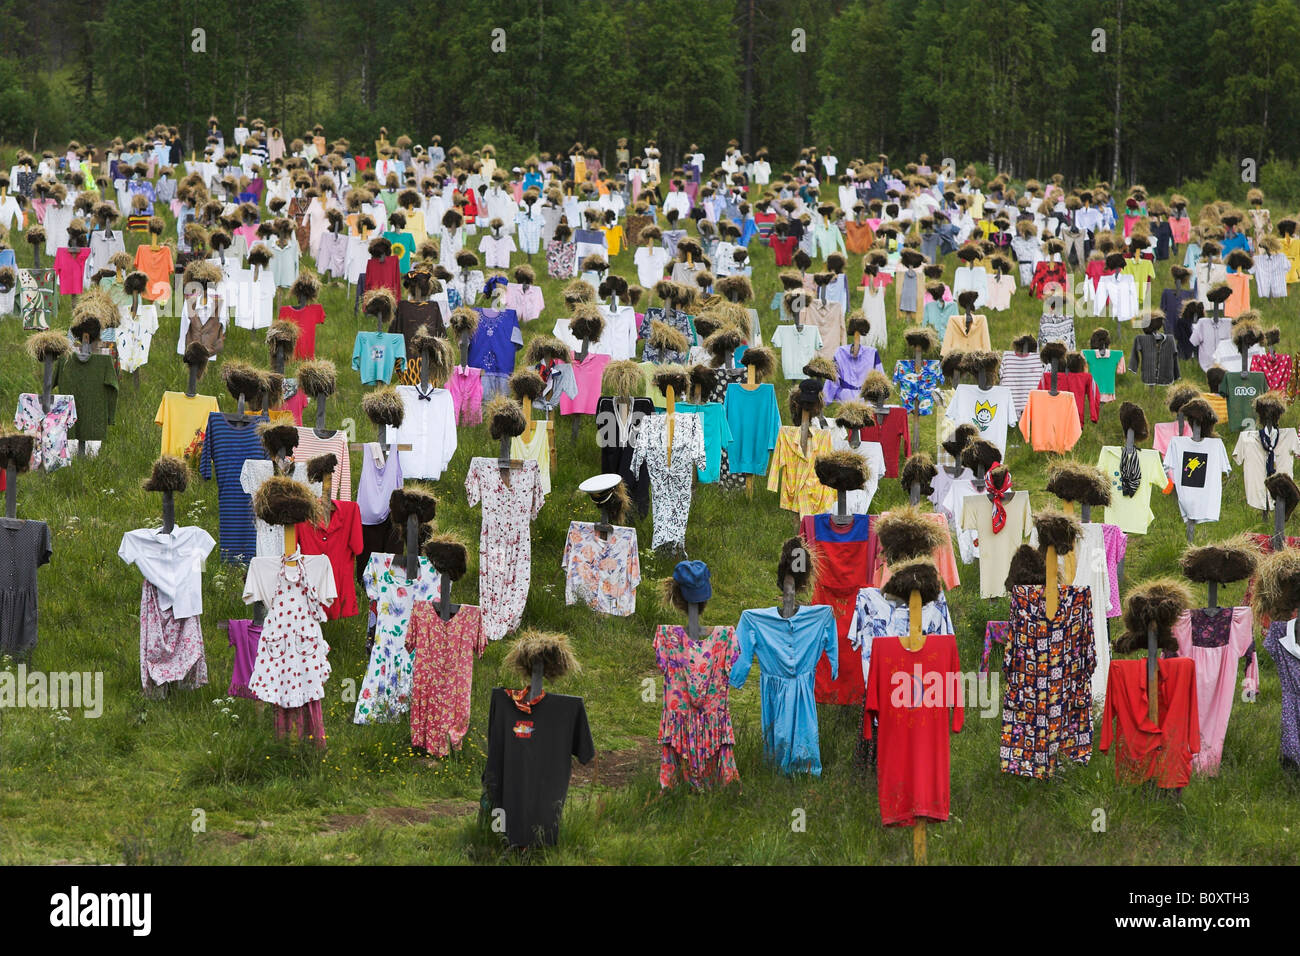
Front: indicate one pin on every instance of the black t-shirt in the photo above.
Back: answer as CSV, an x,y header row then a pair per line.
x,y
529,760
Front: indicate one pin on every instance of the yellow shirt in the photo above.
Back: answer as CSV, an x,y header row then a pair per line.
x,y
957,339
1218,403
183,421
614,239
1291,249
415,226
801,491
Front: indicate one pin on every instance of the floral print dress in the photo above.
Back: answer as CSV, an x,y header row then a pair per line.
x,y
695,734
670,484
386,689
444,653
50,451
171,650
505,541
1047,670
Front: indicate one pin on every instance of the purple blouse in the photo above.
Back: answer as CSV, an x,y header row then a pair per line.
x,y
853,371
495,341
1288,675
377,485
244,638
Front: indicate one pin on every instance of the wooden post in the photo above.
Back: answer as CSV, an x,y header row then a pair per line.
x,y
1153,678
1052,593
671,412
1071,559
291,542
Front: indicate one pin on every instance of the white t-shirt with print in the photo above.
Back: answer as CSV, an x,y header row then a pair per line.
x,y
991,411
1197,469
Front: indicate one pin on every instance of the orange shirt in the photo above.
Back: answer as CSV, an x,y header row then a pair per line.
x,y
157,264
1051,422
944,559
1239,301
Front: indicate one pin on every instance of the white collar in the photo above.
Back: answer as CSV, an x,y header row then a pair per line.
x,y
1288,642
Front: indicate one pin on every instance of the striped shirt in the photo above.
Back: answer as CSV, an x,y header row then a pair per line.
x,y
1021,374
309,447
225,449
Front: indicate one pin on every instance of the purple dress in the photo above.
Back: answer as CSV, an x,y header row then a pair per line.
x,y
244,638
1288,675
853,371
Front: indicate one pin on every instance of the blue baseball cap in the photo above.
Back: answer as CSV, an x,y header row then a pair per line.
x,y
692,578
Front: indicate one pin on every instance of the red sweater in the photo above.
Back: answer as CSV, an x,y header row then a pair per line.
x,y
1144,751
306,318
894,437
1082,387
386,275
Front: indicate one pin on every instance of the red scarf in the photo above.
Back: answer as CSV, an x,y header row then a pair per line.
x,y
996,494
522,701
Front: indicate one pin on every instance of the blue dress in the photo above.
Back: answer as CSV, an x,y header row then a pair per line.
x,y
788,650
225,449
755,423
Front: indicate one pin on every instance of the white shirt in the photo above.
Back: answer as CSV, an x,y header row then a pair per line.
x,y
679,201
172,563
1197,469
11,214
429,426
255,471
620,331
991,411
651,262
797,347
264,573
496,251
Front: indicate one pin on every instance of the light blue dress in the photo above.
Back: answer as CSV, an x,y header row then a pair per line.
x,y
788,651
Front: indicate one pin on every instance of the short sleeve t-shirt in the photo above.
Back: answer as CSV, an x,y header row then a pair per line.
x,y
996,550
1132,515
1197,469
306,318
375,354
1103,368
650,264
1240,392
529,761
183,420
992,411
798,346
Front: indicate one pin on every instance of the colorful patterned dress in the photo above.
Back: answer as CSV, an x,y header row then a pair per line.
x,y
443,653
695,734
1047,705
386,690
505,541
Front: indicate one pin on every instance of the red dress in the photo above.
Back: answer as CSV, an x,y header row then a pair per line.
x,y
845,567
911,693
1144,751
340,541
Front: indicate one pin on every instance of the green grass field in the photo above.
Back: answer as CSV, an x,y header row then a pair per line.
x,y
199,779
